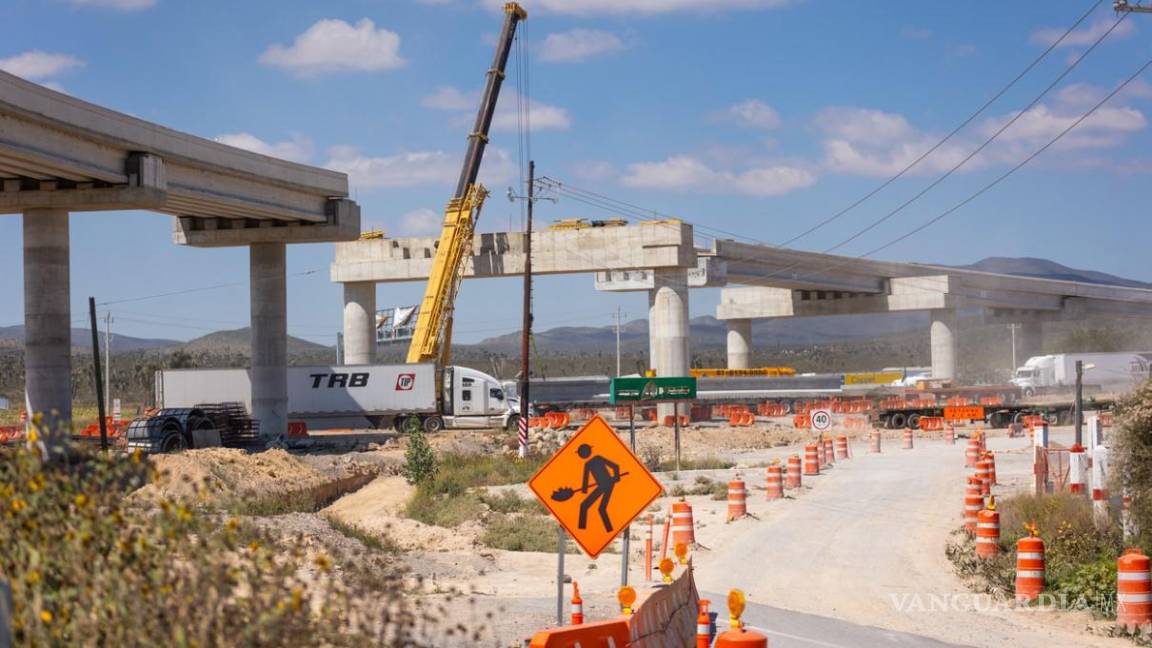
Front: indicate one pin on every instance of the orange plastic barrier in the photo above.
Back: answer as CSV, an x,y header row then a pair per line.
x,y
829,452
984,474
600,634
793,475
670,420
991,401
1029,568
821,457
988,531
991,458
802,422
741,638
907,438
874,442
841,447
737,500
973,502
931,423
972,454
741,419
811,459
775,483
1133,589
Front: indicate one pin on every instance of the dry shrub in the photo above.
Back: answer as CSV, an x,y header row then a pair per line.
x,y
87,567
1130,456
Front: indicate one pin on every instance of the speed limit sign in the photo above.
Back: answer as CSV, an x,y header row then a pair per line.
x,y
821,420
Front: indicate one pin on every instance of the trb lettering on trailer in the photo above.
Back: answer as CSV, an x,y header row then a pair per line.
x,y
339,380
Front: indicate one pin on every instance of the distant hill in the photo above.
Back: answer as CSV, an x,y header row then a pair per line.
x,y
240,341
82,337
1045,269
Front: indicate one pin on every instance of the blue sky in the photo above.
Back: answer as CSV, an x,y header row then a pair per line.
x,y
756,116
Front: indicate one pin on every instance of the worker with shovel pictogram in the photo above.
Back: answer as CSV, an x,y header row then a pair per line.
x,y
604,475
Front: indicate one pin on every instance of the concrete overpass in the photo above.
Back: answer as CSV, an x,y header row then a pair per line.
x,y
59,154
756,281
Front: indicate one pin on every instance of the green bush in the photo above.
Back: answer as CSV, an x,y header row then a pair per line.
x,y
88,568
442,510
420,462
1090,587
520,533
1130,456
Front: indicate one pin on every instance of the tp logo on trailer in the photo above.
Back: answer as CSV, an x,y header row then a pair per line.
x,y
405,381
821,420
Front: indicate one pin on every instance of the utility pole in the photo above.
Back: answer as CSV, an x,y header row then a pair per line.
x,y
108,361
618,316
526,327
96,373
1079,410
1013,327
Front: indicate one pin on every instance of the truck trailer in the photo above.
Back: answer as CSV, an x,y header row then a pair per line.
x,y
1111,372
401,396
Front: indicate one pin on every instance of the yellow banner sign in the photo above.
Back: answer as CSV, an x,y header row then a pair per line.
x,y
877,378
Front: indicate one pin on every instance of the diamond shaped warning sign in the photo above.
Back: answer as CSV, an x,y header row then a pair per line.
x,y
594,486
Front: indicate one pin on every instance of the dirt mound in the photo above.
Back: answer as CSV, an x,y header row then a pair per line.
x,y
217,474
377,507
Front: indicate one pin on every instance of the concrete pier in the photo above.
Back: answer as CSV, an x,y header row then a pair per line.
x,y
269,339
668,326
739,343
47,314
943,344
359,322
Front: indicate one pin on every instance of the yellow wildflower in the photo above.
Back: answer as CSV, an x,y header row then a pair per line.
x,y
81,500
46,616
323,562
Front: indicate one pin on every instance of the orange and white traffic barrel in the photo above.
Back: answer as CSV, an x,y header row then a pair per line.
x,y
984,473
874,442
972,453
775,483
973,502
577,605
991,459
1133,590
842,447
683,528
737,500
821,457
793,476
812,459
704,625
829,451
907,438
1029,568
988,531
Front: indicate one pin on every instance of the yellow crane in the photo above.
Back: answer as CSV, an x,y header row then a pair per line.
x,y
432,340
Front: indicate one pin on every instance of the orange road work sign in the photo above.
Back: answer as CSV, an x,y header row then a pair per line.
x,y
967,413
594,486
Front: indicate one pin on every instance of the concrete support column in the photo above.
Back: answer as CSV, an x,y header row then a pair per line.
x,y
739,343
668,326
360,322
269,339
943,342
47,315
1029,340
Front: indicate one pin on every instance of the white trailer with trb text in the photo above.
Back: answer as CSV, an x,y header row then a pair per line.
x,y
402,396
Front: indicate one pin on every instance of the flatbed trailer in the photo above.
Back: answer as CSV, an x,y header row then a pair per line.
x,y
994,416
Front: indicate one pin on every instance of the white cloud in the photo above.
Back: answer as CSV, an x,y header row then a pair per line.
x,y
916,33
687,173
420,222
449,98
122,5
578,45
1084,36
335,46
544,116
36,65
298,149
650,7
860,141
415,168
752,113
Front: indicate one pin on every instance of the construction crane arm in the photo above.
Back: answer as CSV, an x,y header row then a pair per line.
x,y
433,336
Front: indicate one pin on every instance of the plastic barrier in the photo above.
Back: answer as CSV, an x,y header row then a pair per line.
x,y
973,502
802,422
1029,568
988,531
972,453
683,527
829,451
793,476
670,420
874,442
811,459
600,634
775,483
841,447
1133,589
907,438
737,500
931,423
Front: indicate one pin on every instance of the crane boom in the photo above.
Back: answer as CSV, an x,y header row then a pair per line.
x,y
432,339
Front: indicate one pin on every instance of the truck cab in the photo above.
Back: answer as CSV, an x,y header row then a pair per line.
x,y
1037,373
473,399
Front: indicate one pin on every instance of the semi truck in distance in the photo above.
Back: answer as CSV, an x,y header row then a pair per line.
x,y
1111,372
401,396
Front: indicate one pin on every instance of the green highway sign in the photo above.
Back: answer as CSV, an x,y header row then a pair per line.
x,y
653,390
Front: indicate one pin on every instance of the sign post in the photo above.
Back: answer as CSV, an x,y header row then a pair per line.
x,y
595,487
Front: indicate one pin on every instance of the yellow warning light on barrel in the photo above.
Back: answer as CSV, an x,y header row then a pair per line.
x,y
736,601
626,596
681,550
666,567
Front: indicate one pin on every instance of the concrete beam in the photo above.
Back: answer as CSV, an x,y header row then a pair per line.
x,y
709,272
343,224
47,316
633,247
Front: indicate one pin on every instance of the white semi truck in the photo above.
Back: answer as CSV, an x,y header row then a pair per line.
x,y
402,396
1111,372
